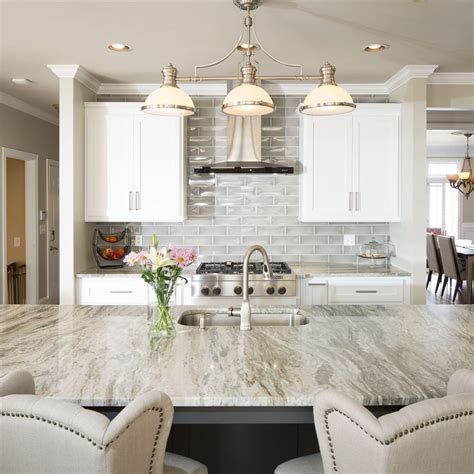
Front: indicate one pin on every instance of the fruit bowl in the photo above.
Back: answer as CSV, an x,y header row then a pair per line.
x,y
111,248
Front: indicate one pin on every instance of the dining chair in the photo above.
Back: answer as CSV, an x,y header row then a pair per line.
x,y
40,434
433,436
434,260
452,267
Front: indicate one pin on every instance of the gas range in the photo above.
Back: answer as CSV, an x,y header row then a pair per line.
x,y
225,279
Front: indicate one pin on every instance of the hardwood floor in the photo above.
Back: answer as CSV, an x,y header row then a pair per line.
x,y
432,298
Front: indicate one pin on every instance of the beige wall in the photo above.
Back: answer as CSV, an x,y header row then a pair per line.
x,y
24,132
451,96
15,210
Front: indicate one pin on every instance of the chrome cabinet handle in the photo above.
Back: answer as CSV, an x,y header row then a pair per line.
x,y
357,199
130,201
137,201
121,291
350,200
366,291
317,284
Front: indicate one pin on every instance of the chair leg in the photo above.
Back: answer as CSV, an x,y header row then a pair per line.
x,y
445,282
428,279
456,289
440,277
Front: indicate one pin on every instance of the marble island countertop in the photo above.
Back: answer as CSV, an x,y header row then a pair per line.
x,y
302,270
101,356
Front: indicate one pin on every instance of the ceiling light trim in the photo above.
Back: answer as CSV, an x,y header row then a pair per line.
x,y
78,72
26,108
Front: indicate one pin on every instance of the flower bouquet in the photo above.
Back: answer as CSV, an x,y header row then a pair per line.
x,y
161,269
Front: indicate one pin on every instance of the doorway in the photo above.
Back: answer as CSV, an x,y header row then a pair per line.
x,y
18,226
52,242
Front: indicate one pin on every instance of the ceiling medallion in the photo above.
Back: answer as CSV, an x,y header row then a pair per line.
x,y
249,99
464,181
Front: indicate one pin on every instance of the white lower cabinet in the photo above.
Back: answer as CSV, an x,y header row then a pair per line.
x,y
359,290
116,291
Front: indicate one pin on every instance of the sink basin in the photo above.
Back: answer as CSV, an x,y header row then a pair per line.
x,y
287,318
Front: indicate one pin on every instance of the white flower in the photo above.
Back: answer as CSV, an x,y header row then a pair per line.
x,y
160,258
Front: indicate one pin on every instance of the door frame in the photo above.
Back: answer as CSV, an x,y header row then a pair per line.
x,y
49,163
31,222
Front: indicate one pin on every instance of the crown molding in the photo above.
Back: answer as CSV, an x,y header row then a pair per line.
x,y
26,108
76,71
196,89
407,73
452,78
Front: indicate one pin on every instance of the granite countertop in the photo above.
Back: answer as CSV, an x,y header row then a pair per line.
x,y
302,270
101,356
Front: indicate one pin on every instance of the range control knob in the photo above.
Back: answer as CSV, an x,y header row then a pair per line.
x,y
281,290
216,291
205,291
270,290
238,290
250,290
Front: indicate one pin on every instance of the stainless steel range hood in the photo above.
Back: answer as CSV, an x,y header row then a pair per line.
x,y
244,151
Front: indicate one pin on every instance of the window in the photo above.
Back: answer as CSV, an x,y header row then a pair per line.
x,y
443,201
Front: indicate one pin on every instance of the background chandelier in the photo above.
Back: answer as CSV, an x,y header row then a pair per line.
x,y
464,181
249,98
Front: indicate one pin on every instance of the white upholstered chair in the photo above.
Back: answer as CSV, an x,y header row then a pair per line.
x,y
431,436
41,435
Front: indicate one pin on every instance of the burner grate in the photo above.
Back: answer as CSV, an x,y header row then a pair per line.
x,y
235,268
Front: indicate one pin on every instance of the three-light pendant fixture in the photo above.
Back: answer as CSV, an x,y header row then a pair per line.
x,y
248,99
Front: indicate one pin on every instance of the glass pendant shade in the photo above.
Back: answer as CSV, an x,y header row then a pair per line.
x,y
169,101
327,99
248,100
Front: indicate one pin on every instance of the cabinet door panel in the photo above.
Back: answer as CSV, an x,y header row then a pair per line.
x,y
376,177
109,155
160,169
326,180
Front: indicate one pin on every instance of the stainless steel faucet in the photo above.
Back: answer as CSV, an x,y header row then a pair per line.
x,y
245,313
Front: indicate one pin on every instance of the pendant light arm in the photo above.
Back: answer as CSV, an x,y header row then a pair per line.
x,y
273,58
235,78
219,61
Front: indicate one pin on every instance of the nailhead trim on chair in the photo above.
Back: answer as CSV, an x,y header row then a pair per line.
x,y
82,435
387,441
155,442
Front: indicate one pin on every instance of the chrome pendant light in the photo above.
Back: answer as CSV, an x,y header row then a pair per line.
x,y
464,181
248,98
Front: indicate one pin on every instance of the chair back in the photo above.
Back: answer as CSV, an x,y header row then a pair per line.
x,y
432,253
449,259
435,436
45,435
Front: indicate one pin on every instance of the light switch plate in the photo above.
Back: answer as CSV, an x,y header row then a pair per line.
x,y
16,242
42,229
349,239
138,240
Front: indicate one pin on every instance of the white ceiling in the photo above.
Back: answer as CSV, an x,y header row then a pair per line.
x,y
186,32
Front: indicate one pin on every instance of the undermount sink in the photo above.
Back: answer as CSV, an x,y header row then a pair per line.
x,y
205,319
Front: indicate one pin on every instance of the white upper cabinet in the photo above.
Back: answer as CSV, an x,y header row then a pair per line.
x,y
350,166
135,167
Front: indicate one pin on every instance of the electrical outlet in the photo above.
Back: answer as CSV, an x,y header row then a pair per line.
x,y
16,242
349,239
138,240
42,229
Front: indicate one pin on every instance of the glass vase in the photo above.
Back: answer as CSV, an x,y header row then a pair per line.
x,y
161,324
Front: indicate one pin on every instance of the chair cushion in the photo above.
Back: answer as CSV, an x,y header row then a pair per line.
x,y
311,464
177,464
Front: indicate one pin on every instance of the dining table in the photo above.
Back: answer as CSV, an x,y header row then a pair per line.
x,y
468,254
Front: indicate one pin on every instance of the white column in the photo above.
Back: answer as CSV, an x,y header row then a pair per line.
x,y
76,86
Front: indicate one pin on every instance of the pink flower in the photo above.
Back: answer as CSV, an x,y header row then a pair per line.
x,y
131,259
183,257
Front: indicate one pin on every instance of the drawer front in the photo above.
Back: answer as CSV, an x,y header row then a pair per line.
x,y
113,291
374,291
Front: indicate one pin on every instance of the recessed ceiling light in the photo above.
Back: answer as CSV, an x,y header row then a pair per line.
x,y
376,47
22,81
119,47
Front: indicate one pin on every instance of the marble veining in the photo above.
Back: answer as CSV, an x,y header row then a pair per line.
x,y
100,355
301,270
